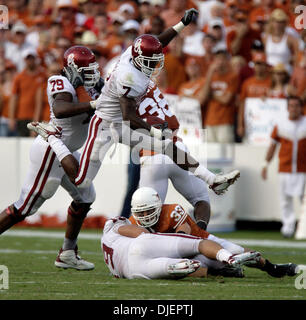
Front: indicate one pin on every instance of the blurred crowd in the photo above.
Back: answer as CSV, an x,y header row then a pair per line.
x,y
235,49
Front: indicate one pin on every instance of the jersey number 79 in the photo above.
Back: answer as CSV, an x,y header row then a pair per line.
x,y
59,83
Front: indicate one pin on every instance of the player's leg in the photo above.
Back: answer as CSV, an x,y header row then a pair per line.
x,y
218,183
77,212
153,256
98,142
287,208
137,139
52,135
81,174
261,263
151,246
194,190
9,217
40,184
154,173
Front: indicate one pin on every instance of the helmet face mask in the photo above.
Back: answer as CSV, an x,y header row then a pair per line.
x,y
146,207
148,217
150,66
91,74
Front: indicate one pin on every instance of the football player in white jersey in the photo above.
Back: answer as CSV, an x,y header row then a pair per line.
x,y
45,174
123,91
131,252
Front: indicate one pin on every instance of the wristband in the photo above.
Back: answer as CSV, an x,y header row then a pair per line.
x,y
156,133
179,27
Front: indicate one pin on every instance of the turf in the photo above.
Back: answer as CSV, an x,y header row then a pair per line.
x,y
32,275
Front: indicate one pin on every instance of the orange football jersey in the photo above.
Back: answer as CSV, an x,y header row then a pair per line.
x,y
171,217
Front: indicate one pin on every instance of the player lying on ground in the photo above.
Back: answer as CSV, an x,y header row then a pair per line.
x,y
45,173
149,212
131,251
121,94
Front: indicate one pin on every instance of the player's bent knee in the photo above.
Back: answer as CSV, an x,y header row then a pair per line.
x,y
79,210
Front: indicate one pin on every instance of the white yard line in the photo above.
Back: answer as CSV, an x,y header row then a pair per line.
x,y
91,236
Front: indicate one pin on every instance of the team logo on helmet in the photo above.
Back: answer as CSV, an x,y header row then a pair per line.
x,y
70,59
137,46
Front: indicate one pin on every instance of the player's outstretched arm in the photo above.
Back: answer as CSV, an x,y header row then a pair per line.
x,y
131,231
170,33
64,107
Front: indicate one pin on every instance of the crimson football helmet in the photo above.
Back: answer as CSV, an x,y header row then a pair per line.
x,y
147,52
83,61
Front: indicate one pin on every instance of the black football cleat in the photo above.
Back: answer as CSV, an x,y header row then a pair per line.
x,y
282,270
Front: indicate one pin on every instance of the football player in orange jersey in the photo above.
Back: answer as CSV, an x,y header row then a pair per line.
x,y
149,212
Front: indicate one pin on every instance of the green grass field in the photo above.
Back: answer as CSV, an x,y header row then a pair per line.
x,y
32,274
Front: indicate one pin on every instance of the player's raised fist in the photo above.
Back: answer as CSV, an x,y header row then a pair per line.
x,y
189,14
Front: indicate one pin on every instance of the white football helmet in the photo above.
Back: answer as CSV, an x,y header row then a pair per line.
x,y
143,200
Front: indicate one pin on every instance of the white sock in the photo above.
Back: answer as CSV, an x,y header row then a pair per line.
x,y
204,174
223,255
58,147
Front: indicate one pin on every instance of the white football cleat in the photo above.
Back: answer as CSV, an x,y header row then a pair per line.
x,y
184,267
70,259
238,260
45,130
223,181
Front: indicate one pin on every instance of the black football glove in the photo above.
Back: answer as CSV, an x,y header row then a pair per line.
x,y
74,77
189,14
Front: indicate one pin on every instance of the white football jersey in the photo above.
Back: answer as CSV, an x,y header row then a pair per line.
x,y
115,246
74,129
124,80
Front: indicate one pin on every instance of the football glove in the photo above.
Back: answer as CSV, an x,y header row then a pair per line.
x,y
74,77
189,14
